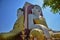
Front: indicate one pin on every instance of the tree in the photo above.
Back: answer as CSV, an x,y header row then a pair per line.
x,y
53,4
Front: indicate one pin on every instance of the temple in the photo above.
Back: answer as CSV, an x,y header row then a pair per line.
x,y
30,25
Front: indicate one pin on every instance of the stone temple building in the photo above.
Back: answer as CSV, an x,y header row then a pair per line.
x,y
30,25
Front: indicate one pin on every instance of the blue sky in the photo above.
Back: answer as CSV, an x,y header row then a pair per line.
x,y
8,14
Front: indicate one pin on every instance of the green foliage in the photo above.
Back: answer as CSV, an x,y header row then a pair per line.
x,y
53,4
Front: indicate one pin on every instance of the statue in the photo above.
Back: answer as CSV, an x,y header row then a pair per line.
x,y
30,25
19,26
37,14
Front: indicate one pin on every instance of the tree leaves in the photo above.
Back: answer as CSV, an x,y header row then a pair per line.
x,y
53,4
